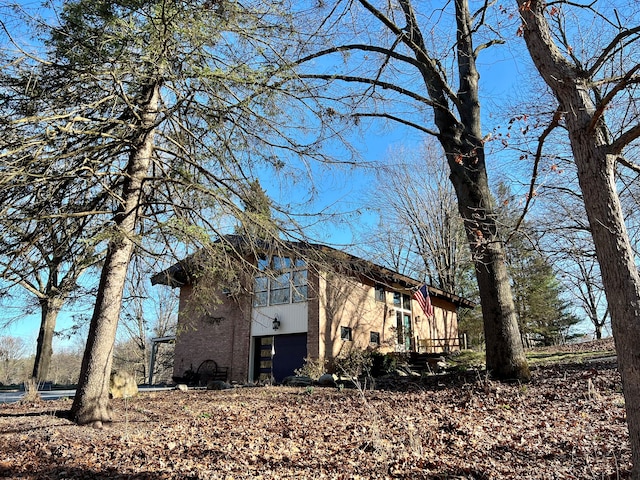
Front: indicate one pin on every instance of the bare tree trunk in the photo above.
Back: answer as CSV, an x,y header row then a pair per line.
x,y
595,156
596,174
50,308
505,355
598,332
90,405
462,142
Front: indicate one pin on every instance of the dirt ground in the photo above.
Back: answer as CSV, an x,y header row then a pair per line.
x,y
568,423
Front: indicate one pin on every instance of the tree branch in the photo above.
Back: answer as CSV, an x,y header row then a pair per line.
x,y
605,55
378,83
534,175
399,120
627,163
362,47
604,102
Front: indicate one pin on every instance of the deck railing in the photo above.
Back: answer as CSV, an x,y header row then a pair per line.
x,y
438,345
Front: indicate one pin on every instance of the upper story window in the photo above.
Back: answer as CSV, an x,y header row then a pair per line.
x,y
406,301
380,293
402,300
397,299
284,281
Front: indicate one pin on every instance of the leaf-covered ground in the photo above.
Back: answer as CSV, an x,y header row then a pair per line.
x,y
569,422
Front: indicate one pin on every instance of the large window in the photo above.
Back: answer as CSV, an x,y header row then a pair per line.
x,y
284,281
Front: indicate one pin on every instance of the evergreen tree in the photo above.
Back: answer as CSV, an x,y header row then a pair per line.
x,y
544,317
167,108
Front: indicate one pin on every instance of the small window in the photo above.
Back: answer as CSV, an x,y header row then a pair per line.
x,y
374,337
380,293
346,334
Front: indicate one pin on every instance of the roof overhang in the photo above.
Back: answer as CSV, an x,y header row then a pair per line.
x,y
184,271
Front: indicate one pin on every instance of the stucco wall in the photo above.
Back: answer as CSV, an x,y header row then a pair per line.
x,y
345,301
439,332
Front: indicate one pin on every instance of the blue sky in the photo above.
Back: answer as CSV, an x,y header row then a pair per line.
x,y
504,73
344,189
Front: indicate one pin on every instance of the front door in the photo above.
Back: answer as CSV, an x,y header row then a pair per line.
x,y
403,326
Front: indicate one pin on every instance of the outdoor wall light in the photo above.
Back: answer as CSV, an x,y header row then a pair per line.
x,y
276,323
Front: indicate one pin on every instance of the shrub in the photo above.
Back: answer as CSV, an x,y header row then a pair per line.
x,y
313,368
354,363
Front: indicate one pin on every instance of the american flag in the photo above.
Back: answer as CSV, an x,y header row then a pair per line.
x,y
422,297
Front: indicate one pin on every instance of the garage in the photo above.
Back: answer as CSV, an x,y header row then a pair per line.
x,y
279,356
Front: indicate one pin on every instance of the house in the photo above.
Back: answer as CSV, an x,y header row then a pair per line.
x,y
296,301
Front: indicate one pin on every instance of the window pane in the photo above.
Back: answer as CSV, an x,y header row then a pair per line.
x,y
374,337
261,284
406,302
300,263
345,333
281,263
280,289
300,277
300,294
260,299
280,281
396,298
263,263
380,296
278,297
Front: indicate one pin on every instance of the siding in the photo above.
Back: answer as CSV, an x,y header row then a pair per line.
x,y
293,319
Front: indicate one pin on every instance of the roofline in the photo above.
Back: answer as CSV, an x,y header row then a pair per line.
x,y
177,274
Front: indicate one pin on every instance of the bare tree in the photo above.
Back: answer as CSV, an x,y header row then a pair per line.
x,y
46,254
399,60
146,314
587,82
12,349
565,237
417,202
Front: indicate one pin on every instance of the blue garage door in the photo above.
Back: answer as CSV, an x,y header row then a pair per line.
x,y
289,352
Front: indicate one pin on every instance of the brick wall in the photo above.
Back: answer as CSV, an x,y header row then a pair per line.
x,y
208,330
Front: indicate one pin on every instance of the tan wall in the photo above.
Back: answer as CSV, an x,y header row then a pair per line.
x,y
344,301
440,332
219,332
347,302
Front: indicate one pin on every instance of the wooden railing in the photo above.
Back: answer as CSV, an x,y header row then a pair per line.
x,y
438,345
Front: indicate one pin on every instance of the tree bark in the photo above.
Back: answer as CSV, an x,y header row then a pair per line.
x,y
505,356
50,308
462,142
91,403
596,162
